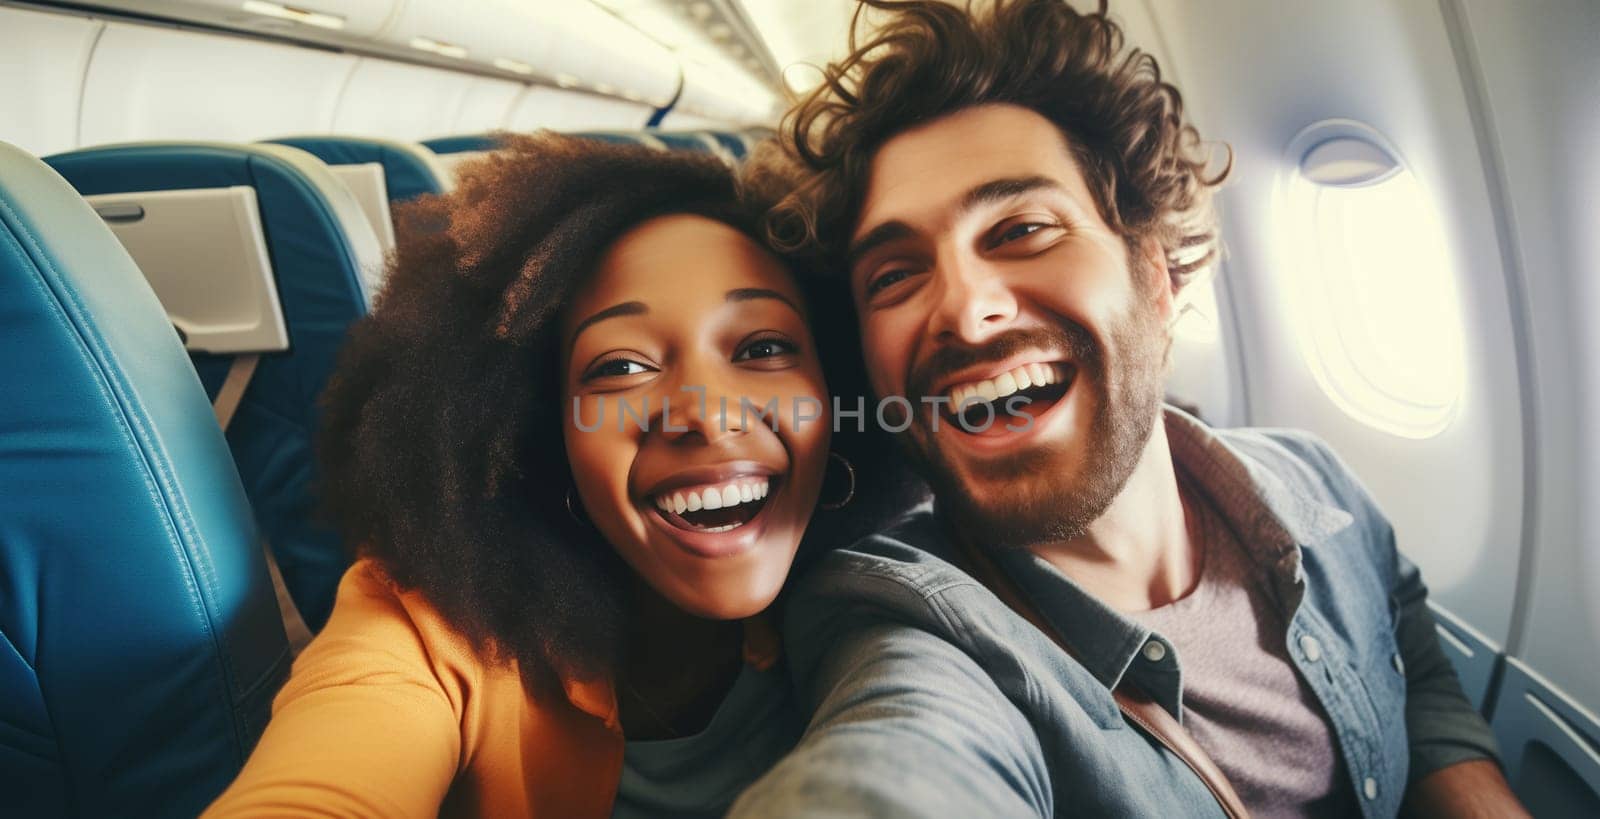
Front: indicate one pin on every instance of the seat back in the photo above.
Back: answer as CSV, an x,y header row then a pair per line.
x,y
410,169
140,645
379,172
733,143
455,151
324,258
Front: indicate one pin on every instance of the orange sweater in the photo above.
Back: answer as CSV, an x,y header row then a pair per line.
x,y
389,712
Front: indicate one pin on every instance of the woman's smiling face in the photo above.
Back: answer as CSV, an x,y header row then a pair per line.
x,y
691,330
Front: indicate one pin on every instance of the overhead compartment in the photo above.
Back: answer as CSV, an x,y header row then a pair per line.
x,y
356,19
724,95
572,44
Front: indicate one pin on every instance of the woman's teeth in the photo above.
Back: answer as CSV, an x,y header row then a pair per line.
x,y
1007,383
720,496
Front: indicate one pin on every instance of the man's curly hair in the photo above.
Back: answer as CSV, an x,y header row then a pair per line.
x,y
441,448
1143,162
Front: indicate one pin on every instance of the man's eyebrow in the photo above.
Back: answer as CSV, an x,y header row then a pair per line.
x,y
998,189
748,293
627,308
877,237
991,191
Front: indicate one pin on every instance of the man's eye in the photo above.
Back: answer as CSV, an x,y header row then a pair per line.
x,y
1018,231
615,368
765,348
893,277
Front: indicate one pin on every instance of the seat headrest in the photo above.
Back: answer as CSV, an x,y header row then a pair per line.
x,y
466,143
134,598
317,234
410,169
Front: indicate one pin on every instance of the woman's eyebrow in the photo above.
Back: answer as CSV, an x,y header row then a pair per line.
x,y
748,293
627,308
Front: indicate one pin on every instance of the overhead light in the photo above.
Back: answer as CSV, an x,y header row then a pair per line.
x,y
513,66
298,15
633,95
719,31
603,88
701,11
568,81
454,52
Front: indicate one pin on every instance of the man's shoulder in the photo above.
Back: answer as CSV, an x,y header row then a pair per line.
x,y
1300,459
914,552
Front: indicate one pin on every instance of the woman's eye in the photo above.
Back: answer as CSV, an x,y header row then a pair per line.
x,y
616,368
765,348
888,279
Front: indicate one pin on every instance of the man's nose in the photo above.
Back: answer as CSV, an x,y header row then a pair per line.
x,y
975,303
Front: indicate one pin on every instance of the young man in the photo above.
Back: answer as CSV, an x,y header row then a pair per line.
x,y
1018,200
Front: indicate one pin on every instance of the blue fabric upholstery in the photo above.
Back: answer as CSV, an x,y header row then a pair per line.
x,y
462,144
409,170
140,641
732,142
316,241
681,141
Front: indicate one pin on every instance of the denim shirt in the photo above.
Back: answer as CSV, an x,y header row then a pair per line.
x,y
931,698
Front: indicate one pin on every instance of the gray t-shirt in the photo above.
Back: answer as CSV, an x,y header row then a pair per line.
x,y
1241,698
701,775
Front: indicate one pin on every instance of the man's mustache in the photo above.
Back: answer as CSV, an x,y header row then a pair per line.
x,y
1067,340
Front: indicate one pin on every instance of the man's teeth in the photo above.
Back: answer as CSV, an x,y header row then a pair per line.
x,y
720,496
1007,383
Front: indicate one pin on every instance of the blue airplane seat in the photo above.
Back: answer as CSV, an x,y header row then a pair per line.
x,y
682,141
323,254
140,642
463,144
731,142
409,169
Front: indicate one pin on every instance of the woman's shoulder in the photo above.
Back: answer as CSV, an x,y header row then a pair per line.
x,y
381,631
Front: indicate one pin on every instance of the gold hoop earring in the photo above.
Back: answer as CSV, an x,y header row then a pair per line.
x,y
572,510
850,470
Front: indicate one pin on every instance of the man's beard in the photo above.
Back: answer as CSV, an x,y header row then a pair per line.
x,y
1041,498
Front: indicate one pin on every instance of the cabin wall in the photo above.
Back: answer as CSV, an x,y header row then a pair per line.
x,y
1541,97
68,81
1455,497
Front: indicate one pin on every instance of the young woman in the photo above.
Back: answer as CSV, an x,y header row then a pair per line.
x,y
555,441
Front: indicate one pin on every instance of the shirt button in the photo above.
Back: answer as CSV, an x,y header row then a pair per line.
x,y
1399,664
1310,647
1154,651
1370,788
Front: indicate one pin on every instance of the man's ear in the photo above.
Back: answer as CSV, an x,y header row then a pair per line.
x,y
1158,285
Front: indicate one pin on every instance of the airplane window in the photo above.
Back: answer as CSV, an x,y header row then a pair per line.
x,y
1371,282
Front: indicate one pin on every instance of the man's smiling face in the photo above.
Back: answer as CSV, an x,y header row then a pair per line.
x,y
981,268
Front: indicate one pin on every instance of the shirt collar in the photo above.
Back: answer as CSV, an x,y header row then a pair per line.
x,y
1271,518
1259,504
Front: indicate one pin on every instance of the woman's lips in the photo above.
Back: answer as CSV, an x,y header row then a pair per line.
x,y
713,496
712,510
714,533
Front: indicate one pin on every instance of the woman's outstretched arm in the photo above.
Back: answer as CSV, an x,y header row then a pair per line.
x,y
364,726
